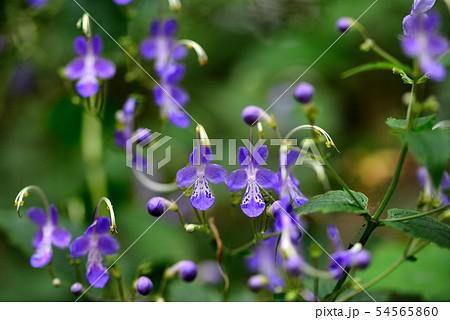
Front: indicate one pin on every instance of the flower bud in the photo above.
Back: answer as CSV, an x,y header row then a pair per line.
x,y
144,286
56,282
304,92
157,206
343,24
143,135
188,270
257,282
76,289
252,114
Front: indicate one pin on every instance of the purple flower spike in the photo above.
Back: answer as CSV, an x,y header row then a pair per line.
x,y
253,177
95,242
47,235
144,286
89,66
172,99
422,41
200,172
304,92
343,24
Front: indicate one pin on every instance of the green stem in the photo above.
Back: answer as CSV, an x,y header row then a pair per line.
x,y
251,244
181,217
418,215
92,152
120,287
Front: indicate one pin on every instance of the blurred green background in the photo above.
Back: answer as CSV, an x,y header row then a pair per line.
x,y
256,49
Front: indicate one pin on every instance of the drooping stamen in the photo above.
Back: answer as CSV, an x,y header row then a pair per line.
x,y
202,135
113,226
329,142
85,25
19,201
175,5
201,54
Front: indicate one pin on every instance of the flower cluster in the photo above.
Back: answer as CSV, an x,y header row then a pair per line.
x,y
422,41
89,66
429,191
163,49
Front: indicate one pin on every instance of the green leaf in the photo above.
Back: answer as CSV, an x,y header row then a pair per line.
x,y
334,201
425,228
430,148
379,65
420,124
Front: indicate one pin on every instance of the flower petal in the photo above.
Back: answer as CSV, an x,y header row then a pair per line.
x,y
159,95
215,174
104,68
87,86
435,70
154,27
410,46
243,157
173,73
202,198
170,28
148,49
205,156
75,69
42,255
61,237
79,247
37,216
266,179
179,53
37,238
97,44
54,214
178,117
291,157
437,44
237,180
96,272
186,176
80,46
422,6
298,198
260,155
108,245
102,225
181,96
253,204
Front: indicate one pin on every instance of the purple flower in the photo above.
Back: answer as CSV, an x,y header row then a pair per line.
x,y
257,282
95,242
252,114
125,122
160,46
37,3
304,92
201,171
76,289
122,2
254,177
291,184
428,188
422,41
47,235
156,206
89,66
172,99
354,257
144,286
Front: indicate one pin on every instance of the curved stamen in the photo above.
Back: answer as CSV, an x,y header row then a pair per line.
x,y
329,142
85,25
202,136
201,54
175,5
153,185
19,201
109,206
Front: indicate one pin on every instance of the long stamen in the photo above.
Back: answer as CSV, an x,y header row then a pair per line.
x,y
329,142
85,25
201,54
113,226
175,5
19,201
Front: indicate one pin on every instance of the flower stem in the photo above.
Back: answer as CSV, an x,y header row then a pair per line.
x,y
92,152
120,287
251,244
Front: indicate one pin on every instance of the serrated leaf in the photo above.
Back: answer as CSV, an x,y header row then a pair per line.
x,y
420,124
430,148
425,228
334,201
380,65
